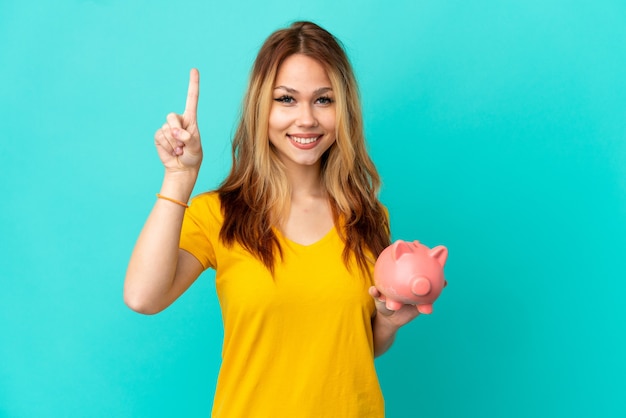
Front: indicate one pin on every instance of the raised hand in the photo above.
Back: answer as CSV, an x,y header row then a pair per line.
x,y
178,140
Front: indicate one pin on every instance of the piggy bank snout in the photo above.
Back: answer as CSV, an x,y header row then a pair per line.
x,y
420,286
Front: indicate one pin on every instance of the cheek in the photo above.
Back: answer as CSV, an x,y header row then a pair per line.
x,y
278,120
329,122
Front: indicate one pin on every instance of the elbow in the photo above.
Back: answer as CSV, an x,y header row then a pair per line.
x,y
140,304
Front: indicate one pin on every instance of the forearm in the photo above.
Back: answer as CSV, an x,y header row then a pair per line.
x,y
384,334
152,266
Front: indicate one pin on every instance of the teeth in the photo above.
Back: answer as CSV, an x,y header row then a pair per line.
x,y
304,140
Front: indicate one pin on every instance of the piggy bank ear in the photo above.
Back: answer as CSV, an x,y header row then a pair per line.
x,y
400,247
439,253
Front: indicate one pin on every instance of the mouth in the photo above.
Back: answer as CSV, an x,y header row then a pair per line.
x,y
304,140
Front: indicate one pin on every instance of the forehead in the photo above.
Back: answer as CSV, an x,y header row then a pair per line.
x,y
301,72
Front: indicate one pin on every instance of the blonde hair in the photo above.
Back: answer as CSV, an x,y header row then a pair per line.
x,y
255,194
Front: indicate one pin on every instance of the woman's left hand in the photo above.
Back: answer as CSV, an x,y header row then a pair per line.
x,y
397,318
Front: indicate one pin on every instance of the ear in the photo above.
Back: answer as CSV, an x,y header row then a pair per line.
x,y
399,248
439,253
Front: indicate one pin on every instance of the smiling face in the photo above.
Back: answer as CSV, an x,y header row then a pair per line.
x,y
302,116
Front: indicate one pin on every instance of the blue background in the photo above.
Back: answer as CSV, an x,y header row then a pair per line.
x,y
498,128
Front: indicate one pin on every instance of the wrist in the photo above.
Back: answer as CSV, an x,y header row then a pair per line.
x,y
179,184
385,324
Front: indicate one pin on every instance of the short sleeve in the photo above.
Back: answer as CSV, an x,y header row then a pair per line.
x,y
200,231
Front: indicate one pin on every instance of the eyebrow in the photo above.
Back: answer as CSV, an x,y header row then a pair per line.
x,y
321,90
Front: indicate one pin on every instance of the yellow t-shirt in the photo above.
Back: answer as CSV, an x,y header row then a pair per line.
x,y
297,345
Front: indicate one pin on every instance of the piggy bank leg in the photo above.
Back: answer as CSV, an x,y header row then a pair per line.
x,y
393,305
425,309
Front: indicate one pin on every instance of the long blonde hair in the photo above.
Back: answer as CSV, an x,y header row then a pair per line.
x,y
255,194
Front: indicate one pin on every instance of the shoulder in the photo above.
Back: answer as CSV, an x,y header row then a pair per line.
x,y
206,204
207,199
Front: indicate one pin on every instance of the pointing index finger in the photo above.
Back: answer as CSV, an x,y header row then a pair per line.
x,y
192,94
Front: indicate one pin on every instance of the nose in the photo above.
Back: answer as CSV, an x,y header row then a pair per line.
x,y
306,117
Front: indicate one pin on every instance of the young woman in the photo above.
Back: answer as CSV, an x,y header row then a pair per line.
x,y
292,232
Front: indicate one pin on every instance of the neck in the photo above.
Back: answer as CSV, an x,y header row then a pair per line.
x,y
305,181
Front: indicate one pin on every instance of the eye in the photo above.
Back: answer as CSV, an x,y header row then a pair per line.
x,y
286,99
324,100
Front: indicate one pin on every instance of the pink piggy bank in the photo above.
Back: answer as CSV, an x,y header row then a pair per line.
x,y
411,273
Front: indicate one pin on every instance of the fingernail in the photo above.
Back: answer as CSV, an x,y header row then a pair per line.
x,y
175,132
